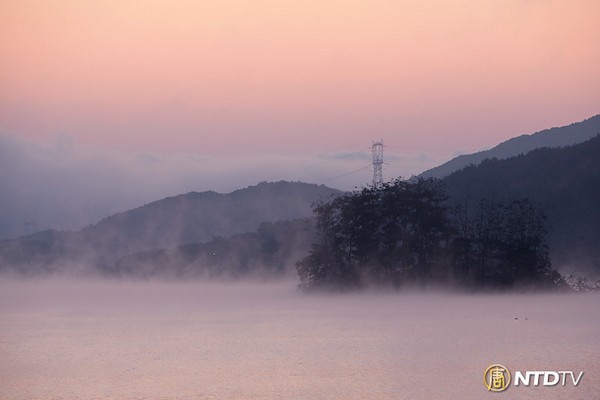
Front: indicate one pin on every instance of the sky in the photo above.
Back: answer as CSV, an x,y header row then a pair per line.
x,y
133,100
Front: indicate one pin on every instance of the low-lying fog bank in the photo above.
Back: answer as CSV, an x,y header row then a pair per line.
x,y
75,339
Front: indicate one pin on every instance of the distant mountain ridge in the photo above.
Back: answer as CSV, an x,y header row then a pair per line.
x,y
198,217
192,227
189,218
565,182
554,137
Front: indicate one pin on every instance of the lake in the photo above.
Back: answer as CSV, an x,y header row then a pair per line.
x,y
84,339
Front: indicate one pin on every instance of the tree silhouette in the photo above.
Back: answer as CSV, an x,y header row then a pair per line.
x,y
404,233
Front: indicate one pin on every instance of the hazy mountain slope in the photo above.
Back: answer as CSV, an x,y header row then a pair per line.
x,y
188,218
269,252
198,217
554,137
566,184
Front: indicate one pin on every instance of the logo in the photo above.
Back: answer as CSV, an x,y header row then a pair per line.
x,y
496,378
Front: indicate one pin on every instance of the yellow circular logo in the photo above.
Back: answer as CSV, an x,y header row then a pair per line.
x,y
496,378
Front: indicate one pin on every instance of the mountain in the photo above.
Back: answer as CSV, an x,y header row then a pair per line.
x,y
564,182
188,218
198,217
554,137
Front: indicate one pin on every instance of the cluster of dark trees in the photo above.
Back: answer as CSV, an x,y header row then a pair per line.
x,y
565,182
405,232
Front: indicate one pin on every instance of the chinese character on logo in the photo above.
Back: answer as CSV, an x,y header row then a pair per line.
x,y
496,378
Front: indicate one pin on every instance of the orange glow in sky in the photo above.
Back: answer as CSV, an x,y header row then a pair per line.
x,y
288,77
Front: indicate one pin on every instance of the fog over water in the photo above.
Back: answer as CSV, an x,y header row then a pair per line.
x,y
84,339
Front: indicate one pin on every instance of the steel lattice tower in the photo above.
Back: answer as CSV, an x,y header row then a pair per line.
x,y
378,163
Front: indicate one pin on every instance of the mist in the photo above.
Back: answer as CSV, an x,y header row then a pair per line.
x,y
123,339
61,184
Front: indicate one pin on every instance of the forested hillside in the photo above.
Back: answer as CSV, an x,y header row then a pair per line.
x,y
184,219
563,182
555,137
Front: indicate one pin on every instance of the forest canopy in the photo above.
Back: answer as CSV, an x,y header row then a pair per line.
x,y
405,233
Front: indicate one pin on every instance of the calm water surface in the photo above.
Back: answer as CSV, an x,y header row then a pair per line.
x,y
114,340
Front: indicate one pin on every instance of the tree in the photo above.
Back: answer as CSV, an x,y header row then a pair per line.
x,y
404,233
395,234
502,245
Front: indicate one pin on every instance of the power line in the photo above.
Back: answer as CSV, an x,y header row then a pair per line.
x,y
346,174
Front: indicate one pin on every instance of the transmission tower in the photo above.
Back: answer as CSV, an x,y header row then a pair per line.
x,y
378,163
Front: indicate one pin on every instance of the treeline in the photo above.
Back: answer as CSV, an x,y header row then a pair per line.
x,y
404,233
268,253
564,181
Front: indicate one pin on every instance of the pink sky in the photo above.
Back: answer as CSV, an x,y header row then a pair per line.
x,y
295,77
